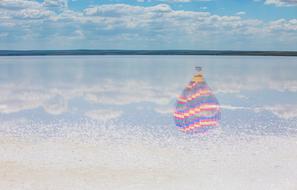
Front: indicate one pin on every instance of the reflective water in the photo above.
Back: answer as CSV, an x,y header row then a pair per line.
x,y
89,122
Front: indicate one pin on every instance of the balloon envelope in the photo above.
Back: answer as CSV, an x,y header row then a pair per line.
x,y
197,109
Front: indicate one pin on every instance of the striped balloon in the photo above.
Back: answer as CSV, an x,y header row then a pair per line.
x,y
197,109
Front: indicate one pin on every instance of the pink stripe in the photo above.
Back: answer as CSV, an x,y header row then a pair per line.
x,y
202,107
203,123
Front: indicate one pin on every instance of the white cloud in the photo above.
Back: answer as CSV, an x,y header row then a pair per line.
x,y
115,10
241,13
19,4
174,1
281,3
56,3
177,1
12,10
136,27
283,25
33,14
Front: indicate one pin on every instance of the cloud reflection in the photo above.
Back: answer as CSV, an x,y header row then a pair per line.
x,y
110,90
103,114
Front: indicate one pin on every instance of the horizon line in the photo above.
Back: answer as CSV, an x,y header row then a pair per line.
x,y
57,52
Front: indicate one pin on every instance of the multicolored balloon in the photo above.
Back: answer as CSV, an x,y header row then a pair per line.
x,y
197,109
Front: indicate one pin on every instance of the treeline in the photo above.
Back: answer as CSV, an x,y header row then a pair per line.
x,y
143,52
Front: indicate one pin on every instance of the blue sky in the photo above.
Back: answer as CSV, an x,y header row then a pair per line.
x,y
148,24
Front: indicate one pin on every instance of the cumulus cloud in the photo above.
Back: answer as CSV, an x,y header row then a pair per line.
x,y
115,10
32,14
19,4
241,13
56,3
182,1
20,12
283,25
173,1
131,26
281,3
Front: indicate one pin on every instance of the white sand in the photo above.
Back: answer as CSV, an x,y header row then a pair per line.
x,y
133,163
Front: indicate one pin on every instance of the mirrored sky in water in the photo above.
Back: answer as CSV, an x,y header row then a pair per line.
x,y
48,96
105,122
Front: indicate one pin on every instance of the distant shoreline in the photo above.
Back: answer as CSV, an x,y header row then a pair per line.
x,y
143,52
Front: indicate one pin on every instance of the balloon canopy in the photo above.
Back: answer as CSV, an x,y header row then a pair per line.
x,y
197,109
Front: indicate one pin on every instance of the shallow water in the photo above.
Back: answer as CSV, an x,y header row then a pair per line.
x,y
91,122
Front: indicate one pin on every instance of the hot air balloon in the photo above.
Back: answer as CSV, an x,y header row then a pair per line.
x,y
197,109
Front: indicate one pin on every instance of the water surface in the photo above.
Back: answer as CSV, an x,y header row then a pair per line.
x,y
89,122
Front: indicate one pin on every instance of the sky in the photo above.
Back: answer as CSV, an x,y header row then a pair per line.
x,y
148,24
